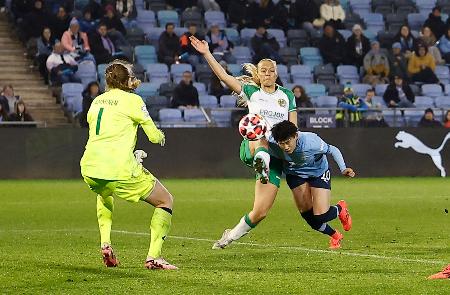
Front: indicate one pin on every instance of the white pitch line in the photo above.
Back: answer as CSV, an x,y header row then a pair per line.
x,y
297,248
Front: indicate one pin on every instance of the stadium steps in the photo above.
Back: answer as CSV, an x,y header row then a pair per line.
x,y
16,70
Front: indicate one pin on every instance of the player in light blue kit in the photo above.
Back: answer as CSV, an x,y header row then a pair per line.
x,y
304,156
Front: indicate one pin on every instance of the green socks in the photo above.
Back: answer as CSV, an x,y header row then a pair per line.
x,y
159,228
105,208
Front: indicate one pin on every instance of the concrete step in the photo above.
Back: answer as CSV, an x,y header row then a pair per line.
x,y
20,76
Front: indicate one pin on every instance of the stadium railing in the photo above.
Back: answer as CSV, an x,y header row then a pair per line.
x,y
24,124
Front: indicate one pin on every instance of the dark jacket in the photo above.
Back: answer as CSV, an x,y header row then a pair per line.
x,y
332,49
262,15
101,54
426,123
353,57
257,43
20,117
305,11
216,88
281,16
114,23
391,93
168,46
35,22
184,95
408,44
185,43
87,101
238,13
59,26
436,25
398,65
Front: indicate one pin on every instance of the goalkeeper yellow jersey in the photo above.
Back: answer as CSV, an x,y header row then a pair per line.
x,y
113,121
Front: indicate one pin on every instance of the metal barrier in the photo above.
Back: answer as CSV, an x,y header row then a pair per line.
x,y
23,124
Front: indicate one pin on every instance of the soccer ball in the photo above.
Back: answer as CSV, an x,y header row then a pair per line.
x,y
252,127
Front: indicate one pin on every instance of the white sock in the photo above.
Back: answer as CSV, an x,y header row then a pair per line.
x,y
240,230
264,156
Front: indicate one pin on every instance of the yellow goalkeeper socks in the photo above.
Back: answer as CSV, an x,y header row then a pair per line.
x,y
105,208
159,228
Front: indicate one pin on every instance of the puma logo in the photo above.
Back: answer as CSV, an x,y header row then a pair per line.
x,y
407,140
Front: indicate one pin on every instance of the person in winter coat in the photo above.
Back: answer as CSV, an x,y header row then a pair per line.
x,y
435,23
376,65
428,120
332,11
20,114
358,46
185,95
406,40
332,46
399,94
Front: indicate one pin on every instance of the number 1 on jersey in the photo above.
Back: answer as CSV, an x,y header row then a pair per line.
x,y
99,119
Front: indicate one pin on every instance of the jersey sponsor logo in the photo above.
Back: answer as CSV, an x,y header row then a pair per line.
x,y
407,140
272,114
281,102
144,110
111,102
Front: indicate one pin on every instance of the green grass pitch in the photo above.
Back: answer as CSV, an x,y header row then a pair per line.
x,y
49,243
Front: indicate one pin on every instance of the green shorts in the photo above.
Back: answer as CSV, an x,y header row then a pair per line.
x,y
275,167
134,189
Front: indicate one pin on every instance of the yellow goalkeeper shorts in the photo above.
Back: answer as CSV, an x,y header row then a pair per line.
x,y
138,187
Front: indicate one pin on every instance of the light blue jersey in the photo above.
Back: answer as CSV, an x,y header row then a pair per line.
x,y
309,158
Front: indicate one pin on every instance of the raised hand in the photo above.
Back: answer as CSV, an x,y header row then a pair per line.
x,y
200,46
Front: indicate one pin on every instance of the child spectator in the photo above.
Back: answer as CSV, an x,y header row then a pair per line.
x,y
217,87
398,64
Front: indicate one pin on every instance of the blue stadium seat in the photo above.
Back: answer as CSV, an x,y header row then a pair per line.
x,y
227,101
177,71
158,73
170,116
416,20
424,102
87,72
194,116
145,17
71,95
380,89
432,90
310,56
190,16
201,88
315,90
360,6
235,69
360,89
443,73
326,101
442,102
425,5
215,17
147,89
374,21
180,31
283,73
246,35
413,117
233,36
157,101
101,70
152,34
347,74
242,54
222,118
370,34
279,35
208,101
378,101
301,74
393,118
345,33
145,54
167,16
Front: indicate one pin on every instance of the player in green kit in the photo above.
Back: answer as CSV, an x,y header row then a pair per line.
x,y
111,169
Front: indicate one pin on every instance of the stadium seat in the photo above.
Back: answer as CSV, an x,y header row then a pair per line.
x,y
386,39
394,21
246,35
227,101
310,56
370,34
415,89
170,116
380,89
242,54
297,39
279,35
101,71
166,89
416,20
215,17
315,90
443,73
289,55
374,21
412,117
283,73
203,73
425,5
71,95
345,33
378,101
432,90
424,102
361,89
335,90
177,71
201,88
222,118
191,17
135,36
347,74
179,31
154,104
360,6
324,74
158,73
301,74
382,9
145,54
194,115
393,118
442,102
326,101
147,89
235,69
152,34
233,36
156,5
167,16
351,19
208,101
87,72
145,17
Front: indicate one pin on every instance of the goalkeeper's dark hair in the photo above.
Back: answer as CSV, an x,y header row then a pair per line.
x,y
283,131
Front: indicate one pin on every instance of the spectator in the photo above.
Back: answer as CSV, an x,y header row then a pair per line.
x,y
373,117
435,23
91,92
116,29
8,99
331,11
281,15
20,114
428,38
35,21
262,13
217,87
332,46
126,11
103,47
306,13
302,100
444,45
428,119
76,42
376,65
406,40
62,66
3,114
188,52
60,23
44,47
87,24
219,44
398,64
357,47
421,66
264,45
399,94
20,8
95,9
447,119
185,95
169,46
239,12
354,105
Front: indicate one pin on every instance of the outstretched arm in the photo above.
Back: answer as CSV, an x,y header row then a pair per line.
x,y
339,159
203,48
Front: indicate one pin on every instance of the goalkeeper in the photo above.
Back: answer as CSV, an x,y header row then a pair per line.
x,y
110,168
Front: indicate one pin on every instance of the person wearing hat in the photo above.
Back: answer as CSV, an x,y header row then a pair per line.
x,y
353,105
219,43
357,47
435,23
76,42
428,119
332,46
376,65
398,63
399,94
